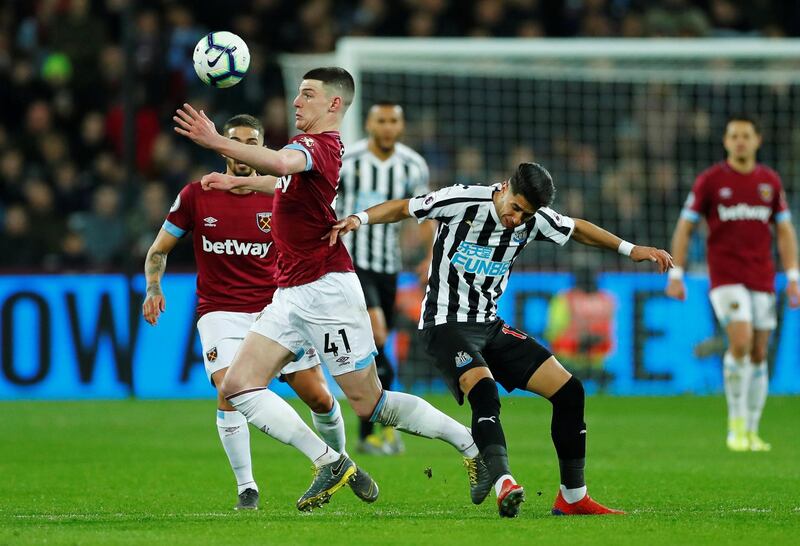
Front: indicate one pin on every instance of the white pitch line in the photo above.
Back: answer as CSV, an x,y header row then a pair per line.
x,y
84,516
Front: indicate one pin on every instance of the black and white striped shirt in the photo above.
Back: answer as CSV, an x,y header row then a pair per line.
x,y
366,181
473,252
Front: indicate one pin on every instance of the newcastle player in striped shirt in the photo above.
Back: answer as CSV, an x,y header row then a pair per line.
x,y
483,229
377,169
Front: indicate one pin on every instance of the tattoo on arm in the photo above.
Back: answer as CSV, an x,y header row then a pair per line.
x,y
154,268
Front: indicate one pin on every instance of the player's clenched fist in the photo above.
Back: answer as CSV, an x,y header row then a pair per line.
x,y
676,289
154,304
793,294
217,181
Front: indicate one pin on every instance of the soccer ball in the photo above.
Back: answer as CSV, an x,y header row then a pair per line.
x,y
221,59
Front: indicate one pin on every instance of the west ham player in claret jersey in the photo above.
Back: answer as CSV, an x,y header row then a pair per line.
x,y
233,246
482,230
742,202
319,301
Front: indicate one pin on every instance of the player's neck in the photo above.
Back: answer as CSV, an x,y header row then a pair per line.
x,y
743,166
322,126
379,152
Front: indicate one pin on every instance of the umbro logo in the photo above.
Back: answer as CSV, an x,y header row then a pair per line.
x,y
210,221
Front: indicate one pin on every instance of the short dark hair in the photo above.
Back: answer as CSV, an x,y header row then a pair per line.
x,y
337,78
748,118
243,120
534,183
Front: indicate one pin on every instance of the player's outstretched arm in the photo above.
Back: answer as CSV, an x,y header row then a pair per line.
x,y
385,213
154,266
589,234
676,288
225,182
201,130
787,250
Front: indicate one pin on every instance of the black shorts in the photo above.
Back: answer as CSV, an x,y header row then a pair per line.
x,y
510,354
380,290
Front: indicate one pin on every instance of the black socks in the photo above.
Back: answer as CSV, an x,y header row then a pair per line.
x,y
486,428
568,431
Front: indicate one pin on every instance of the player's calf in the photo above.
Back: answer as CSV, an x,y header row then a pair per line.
x,y
568,431
489,437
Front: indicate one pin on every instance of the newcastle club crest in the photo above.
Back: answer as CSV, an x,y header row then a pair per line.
x,y
263,221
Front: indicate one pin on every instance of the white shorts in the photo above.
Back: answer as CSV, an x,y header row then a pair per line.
x,y
736,303
329,314
221,334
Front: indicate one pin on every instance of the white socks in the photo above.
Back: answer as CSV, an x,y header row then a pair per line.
x,y
331,427
746,387
573,495
735,374
757,388
416,416
235,437
272,415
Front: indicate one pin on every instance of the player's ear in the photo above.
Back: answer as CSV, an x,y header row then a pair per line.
x,y
336,104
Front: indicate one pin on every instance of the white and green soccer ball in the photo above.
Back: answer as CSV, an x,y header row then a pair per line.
x,y
221,59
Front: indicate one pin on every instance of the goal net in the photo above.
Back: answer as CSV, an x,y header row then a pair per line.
x,y
623,126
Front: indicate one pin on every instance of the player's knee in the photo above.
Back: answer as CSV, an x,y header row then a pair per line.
x,y
740,344
739,349
758,355
570,395
484,398
472,377
229,386
320,401
363,405
222,402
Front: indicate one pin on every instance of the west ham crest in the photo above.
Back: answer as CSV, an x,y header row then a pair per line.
x,y
263,221
308,141
765,191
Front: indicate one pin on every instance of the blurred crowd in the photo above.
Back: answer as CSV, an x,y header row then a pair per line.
x,y
67,203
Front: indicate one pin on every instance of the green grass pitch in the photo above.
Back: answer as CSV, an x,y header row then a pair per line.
x,y
138,472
